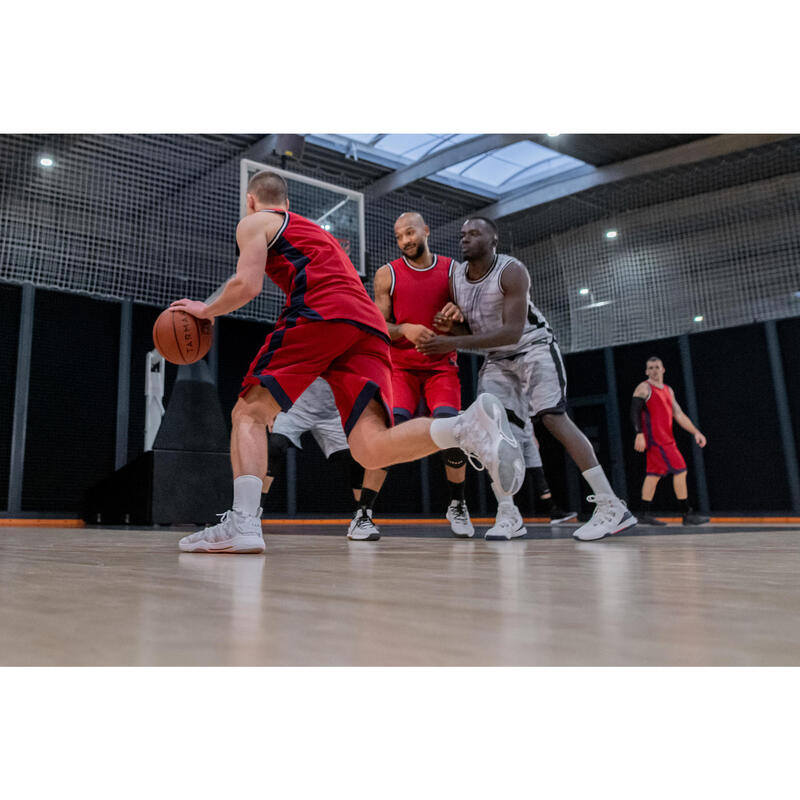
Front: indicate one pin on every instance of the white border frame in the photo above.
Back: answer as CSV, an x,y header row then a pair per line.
x,y
245,163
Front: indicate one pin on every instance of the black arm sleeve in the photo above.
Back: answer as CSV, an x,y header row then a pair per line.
x,y
637,404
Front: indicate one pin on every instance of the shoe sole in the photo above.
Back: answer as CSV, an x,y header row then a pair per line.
x,y
508,455
563,519
372,537
626,523
241,545
498,538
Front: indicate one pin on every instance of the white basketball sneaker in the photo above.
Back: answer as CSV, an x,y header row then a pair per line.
x,y
610,516
235,533
362,528
458,517
508,523
483,433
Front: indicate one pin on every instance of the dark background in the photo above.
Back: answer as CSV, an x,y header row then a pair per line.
x,y
73,395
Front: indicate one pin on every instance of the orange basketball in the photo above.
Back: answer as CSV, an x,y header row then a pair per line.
x,y
182,338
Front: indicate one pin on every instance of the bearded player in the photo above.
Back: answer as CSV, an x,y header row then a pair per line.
x,y
408,292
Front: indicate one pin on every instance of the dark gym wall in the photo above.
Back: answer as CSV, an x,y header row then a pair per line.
x,y
72,409
10,297
73,399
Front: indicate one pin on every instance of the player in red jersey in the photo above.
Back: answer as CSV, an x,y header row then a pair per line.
x,y
409,291
652,411
329,327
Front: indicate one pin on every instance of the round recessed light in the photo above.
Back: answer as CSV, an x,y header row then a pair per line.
x,y
699,318
611,234
583,291
553,135
46,161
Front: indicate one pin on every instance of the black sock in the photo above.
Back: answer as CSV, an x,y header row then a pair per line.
x,y
684,504
647,507
457,491
546,504
368,497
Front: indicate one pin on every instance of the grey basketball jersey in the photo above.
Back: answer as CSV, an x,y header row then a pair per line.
x,y
482,304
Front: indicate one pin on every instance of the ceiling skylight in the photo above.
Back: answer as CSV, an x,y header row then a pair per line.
x,y
492,174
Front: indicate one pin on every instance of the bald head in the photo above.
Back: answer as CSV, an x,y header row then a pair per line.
x,y
410,218
411,234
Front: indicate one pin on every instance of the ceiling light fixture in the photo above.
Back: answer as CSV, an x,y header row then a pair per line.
x,y
611,234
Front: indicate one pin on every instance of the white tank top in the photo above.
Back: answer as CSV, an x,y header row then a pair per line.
x,y
481,302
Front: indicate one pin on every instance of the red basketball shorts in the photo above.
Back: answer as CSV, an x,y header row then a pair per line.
x,y
355,363
664,459
440,389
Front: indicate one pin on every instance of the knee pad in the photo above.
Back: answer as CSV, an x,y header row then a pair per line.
x,y
343,460
453,457
277,445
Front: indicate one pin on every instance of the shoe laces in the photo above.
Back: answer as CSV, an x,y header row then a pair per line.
x,y
477,437
460,513
604,512
506,514
363,519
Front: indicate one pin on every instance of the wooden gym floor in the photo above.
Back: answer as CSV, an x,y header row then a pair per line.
x,y
724,596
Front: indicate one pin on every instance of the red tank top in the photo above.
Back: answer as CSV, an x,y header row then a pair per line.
x,y
319,280
657,416
417,294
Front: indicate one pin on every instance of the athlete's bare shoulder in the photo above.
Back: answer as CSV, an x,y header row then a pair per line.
x,y
515,277
642,390
259,224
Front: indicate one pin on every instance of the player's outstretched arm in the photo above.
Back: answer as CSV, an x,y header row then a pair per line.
x,y
685,423
252,235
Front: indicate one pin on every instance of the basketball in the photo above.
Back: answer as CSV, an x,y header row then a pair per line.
x,y
182,338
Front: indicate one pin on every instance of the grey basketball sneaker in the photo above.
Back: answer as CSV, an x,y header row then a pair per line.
x,y
483,433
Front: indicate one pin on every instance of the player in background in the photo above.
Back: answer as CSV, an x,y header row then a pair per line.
x,y
315,412
408,292
523,367
653,410
329,327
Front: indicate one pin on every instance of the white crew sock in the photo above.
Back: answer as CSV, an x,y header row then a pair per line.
x,y
247,495
442,432
502,499
596,478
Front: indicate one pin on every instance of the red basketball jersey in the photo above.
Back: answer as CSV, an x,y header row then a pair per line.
x,y
657,416
319,280
417,294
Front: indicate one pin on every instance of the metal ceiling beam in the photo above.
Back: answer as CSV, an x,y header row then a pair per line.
x,y
699,150
441,160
